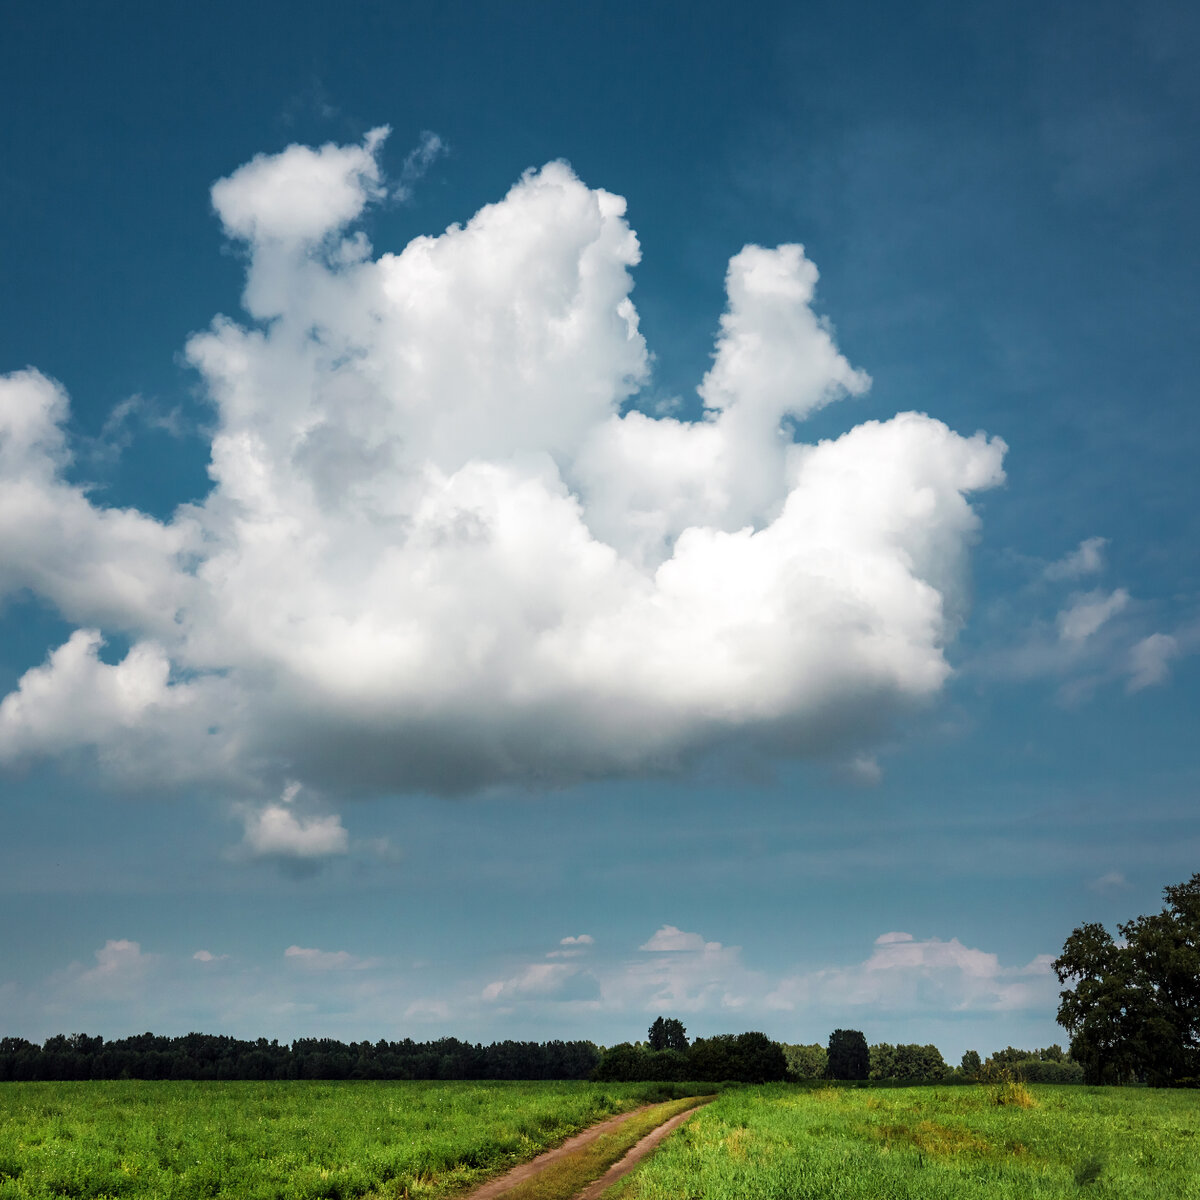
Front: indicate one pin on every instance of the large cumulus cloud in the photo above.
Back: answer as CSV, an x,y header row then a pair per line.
x,y
443,548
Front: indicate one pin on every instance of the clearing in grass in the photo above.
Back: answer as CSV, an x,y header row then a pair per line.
x,y
301,1140
963,1143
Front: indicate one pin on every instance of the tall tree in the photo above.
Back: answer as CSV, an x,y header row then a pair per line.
x,y
1133,1005
656,1035
677,1038
848,1055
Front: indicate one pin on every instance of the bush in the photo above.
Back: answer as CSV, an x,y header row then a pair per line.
x,y
909,1062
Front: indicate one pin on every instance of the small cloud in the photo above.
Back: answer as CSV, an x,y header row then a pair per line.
x,y
572,946
669,939
1088,612
545,981
276,831
1112,881
1148,661
127,418
427,151
684,973
328,960
863,771
207,956
887,939
427,1010
117,959
1087,559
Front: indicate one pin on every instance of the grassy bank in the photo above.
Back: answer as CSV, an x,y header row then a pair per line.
x,y
303,1141
931,1143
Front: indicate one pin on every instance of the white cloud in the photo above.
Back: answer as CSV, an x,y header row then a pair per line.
x,y
679,971
1149,659
117,959
301,194
904,974
428,149
277,831
1086,559
328,960
544,982
572,947
207,956
669,939
1098,638
437,556
1088,613
1110,881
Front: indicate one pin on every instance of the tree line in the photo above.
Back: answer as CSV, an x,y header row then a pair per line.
x,y
666,1056
741,1057
849,1057
210,1056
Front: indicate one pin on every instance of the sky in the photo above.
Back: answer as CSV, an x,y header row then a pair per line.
x,y
519,519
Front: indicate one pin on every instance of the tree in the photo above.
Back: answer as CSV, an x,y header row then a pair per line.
x,y
971,1064
667,1034
848,1055
909,1062
746,1057
656,1035
806,1062
1133,1007
677,1038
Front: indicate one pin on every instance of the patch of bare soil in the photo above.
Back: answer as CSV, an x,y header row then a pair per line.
x,y
497,1187
635,1155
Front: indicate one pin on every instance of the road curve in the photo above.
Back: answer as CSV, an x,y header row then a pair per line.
x,y
637,1152
496,1188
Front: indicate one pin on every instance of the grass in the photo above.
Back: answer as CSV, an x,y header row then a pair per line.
x,y
930,1143
568,1176
299,1140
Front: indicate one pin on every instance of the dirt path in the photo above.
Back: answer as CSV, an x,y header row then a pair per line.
x,y
497,1187
635,1155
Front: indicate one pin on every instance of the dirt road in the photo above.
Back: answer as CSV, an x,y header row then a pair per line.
x,y
637,1153
498,1187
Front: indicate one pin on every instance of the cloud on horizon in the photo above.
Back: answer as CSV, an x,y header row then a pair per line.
x,y
309,991
442,552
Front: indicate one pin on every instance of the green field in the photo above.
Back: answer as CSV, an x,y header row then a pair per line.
x,y
779,1142
297,1140
929,1143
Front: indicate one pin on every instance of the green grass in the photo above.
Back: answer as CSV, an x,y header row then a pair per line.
x,y
300,1140
929,1143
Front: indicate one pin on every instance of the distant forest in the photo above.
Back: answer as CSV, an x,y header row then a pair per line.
x,y
666,1056
208,1056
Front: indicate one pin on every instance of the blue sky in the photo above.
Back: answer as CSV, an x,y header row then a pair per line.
x,y
492,679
